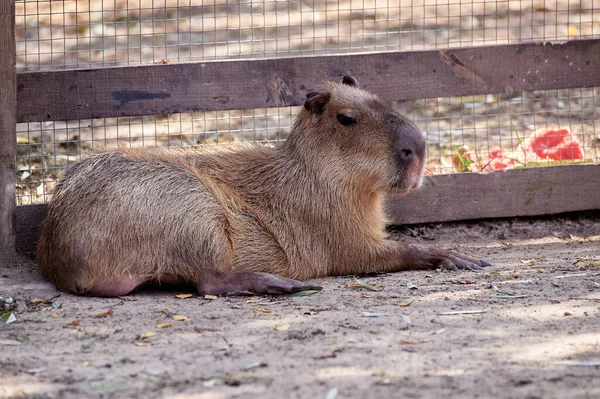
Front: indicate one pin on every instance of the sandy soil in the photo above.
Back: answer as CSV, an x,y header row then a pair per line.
x,y
538,305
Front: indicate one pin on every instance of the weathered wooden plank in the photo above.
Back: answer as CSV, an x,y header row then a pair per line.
x,y
517,192
241,84
29,224
523,192
8,106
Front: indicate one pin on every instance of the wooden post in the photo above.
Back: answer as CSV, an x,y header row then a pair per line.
x,y
8,111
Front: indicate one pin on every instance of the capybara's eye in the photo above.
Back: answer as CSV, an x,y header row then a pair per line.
x,y
346,120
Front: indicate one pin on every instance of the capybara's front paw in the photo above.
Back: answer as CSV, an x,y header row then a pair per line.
x,y
452,260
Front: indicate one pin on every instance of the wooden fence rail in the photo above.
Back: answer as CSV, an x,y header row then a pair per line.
x,y
227,85
242,84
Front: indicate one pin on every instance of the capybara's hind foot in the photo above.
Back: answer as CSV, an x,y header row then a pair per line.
x,y
116,287
232,283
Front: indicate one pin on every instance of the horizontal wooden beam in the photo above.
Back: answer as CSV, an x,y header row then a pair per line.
x,y
523,192
517,192
242,84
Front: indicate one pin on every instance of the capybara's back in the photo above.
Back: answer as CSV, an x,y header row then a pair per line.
x,y
250,219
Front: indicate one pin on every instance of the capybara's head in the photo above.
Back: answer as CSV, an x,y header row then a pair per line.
x,y
355,128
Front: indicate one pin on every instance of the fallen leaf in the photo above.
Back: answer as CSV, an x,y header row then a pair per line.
x,y
593,363
305,292
584,264
163,325
332,394
55,315
74,323
103,314
363,296
38,300
157,373
498,290
178,317
140,343
458,312
146,335
210,297
263,310
202,330
108,386
406,342
465,282
577,238
210,383
283,327
10,318
183,296
403,304
10,342
254,365
329,355
528,261
362,284
370,314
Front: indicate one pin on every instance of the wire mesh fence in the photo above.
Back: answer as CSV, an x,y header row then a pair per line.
x,y
464,133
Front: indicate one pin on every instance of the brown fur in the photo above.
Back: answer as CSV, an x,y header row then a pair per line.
x,y
309,208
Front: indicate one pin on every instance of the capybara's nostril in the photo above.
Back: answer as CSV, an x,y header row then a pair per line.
x,y
407,154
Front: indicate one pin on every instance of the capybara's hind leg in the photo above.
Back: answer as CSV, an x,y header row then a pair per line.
x,y
115,287
244,282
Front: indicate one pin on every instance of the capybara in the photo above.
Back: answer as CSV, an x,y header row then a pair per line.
x,y
253,219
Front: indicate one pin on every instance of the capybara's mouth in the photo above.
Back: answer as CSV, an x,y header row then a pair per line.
x,y
410,183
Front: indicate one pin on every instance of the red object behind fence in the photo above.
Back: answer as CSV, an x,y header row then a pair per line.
x,y
557,145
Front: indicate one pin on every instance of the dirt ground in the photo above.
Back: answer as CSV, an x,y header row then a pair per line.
x,y
538,306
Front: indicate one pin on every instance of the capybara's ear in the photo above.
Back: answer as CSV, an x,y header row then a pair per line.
x,y
316,100
350,81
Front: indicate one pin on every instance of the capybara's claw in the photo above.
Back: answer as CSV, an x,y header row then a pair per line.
x,y
454,261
